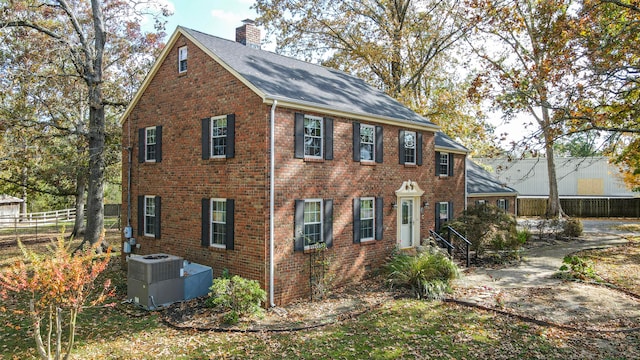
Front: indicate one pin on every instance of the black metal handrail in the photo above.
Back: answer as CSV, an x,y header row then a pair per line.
x,y
439,238
467,243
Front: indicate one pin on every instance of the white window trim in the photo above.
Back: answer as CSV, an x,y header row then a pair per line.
x,y
183,55
441,163
415,151
146,143
321,121
444,205
153,200
211,145
373,219
373,144
502,204
304,225
211,244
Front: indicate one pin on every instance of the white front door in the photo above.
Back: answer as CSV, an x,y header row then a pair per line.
x,y
406,223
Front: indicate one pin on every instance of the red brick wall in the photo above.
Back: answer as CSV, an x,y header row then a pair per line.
x,y
179,102
450,188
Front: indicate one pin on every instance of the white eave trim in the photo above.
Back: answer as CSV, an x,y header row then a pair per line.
x,y
451,150
492,194
313,107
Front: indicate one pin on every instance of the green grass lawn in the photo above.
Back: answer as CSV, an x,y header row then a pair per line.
x,y
399,329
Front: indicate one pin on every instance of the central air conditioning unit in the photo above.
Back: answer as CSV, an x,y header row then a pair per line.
x,y
155,280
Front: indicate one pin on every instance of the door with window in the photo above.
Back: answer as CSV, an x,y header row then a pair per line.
x,y
407,229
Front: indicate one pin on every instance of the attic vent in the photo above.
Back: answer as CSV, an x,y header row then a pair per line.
x,y
248,34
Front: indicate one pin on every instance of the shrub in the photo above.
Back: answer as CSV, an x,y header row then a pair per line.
x,y
575,267
573,228
238,296
427,275
59,285
523,236
488,227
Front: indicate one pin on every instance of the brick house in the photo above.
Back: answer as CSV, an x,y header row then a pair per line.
x,y
347,165
484,188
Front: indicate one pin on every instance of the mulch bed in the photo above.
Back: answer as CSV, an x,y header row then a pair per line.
x,y
343,303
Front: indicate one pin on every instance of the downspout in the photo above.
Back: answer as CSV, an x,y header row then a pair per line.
x,y
272,178
466,179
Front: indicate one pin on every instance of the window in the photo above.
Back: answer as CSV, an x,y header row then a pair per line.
x,y
150,140
182,59
313,223
367,143
367,219
480,202
218,223
149,216
218,137
502,204
410,147
367,216
444,164
443,169
444,213
150,144
313,137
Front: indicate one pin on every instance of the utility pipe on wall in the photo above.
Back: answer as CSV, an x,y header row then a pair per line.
x,y
272,178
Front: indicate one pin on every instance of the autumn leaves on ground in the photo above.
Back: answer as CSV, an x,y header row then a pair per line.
x,y
401,328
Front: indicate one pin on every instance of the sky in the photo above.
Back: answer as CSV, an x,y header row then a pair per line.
x,y
215,17
222,17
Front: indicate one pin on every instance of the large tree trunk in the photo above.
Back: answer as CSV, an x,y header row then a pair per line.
x,y
554,209
97,127
81,187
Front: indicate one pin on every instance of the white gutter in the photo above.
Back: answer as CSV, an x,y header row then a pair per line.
x,y
272,177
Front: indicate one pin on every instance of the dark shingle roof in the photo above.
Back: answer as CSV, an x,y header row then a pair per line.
x,y
286,79
444,141
480,181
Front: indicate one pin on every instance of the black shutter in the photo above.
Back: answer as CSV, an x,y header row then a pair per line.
x,y
437,223
379,145
206,138
230,224
158,143
379,222
141,215
419,148
450,211
437,163
141,145
298,230
506,205
299,136
356,220
356,141
204,238
328,138
401,146
158,205
231,135
450,164
327,223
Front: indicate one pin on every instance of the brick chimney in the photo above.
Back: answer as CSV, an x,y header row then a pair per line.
x,y
248,34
